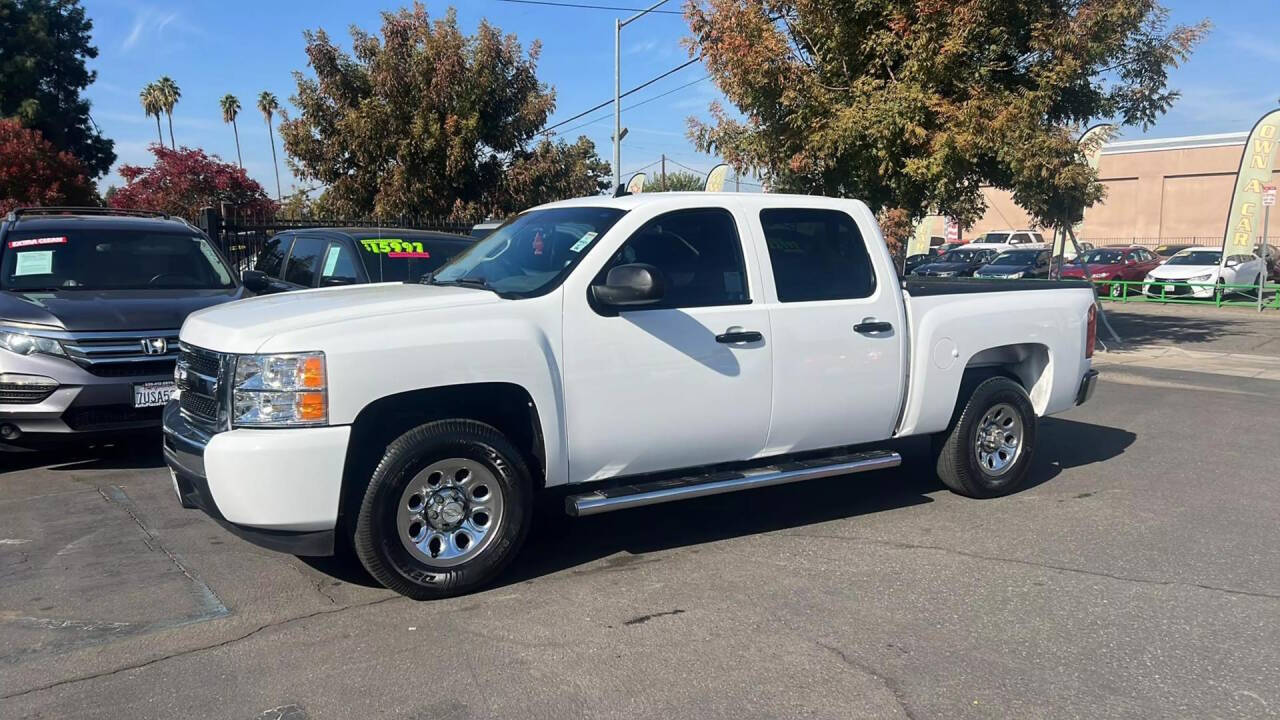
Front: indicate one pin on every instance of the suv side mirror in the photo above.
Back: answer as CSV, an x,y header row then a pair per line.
x,y
632,285
255,280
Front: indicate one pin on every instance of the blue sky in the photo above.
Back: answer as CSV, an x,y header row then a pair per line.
x,y
212,48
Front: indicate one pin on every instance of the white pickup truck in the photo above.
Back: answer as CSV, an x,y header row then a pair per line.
x,y
617,352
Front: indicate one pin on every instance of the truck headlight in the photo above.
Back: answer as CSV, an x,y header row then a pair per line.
x,y
281,390
24,344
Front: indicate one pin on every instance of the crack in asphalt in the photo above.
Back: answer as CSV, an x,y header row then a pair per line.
x,y
1032,563
192,651
898,696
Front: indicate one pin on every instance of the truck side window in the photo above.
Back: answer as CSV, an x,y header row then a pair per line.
x,y
304,261
817,255
271,257
698,252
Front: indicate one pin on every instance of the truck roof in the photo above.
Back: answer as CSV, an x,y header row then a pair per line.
x,y
628,202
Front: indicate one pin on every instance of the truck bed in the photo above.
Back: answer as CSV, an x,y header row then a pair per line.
x,y
926,287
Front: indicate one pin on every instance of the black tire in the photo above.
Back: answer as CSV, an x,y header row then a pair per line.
x,y
376,536
958,461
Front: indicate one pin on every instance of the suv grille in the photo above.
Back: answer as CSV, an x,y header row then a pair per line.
x,y
199,376
129,353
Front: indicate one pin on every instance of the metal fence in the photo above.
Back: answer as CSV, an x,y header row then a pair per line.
x,y
241,235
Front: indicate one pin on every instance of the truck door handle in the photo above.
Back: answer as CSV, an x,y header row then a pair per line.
x,y
739,336
867,327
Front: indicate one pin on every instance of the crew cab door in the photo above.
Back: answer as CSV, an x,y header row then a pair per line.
x,y
668,386
838,327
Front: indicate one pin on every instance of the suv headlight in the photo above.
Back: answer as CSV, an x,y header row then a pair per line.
x,y
24,344
280,390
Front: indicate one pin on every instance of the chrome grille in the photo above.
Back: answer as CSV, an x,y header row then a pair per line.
x,y
199,377
113,353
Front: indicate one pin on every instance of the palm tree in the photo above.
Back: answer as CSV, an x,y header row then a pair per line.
x,y
152,105
169,95
230,109
269,106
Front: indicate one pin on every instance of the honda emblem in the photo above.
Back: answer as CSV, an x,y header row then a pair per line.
x,y
155,346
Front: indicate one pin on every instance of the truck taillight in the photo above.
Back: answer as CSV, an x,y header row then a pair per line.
x,y
1091,336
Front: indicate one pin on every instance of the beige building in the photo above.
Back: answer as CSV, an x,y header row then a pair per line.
x,y
1165,190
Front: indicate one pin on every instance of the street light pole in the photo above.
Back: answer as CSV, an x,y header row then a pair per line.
x,y
618,24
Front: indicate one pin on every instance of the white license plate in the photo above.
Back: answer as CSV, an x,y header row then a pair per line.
x,y
1169,288
152,394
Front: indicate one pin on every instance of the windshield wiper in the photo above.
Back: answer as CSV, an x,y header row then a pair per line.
x,y
473,282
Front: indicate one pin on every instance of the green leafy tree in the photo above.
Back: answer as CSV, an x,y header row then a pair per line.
x,y
268,105
169,95
678,181
152,104
425,120
43,48
913,104
230,105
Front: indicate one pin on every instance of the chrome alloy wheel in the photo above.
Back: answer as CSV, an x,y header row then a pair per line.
x,y
998,440
449,512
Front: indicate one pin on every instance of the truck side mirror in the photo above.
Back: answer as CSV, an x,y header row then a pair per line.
x,y
629,286
255,280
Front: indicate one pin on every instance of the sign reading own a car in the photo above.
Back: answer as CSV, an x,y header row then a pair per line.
x,y
1257,163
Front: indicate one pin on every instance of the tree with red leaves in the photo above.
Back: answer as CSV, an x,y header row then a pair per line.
x,y
184,180
33,172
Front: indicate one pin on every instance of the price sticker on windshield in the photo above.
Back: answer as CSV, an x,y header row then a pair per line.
x,y
395,248
583,241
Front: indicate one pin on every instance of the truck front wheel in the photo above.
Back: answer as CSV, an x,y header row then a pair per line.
x,y
987,452
446,510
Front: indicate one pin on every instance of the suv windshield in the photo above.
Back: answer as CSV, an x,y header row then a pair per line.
x,y
1196,257
1016,257
110,260
531,253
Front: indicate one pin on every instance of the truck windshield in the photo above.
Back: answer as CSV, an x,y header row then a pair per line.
x,y
531,253
110,260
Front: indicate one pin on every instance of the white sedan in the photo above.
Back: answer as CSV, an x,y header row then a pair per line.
x,y
1203,267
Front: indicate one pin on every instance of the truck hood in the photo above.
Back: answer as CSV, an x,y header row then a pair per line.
x,y
242,327
110,310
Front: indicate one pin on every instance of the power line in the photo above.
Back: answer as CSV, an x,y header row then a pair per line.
x,y
585,6
606,103
632,107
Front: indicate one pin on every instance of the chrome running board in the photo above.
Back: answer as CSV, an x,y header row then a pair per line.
x,y
715,483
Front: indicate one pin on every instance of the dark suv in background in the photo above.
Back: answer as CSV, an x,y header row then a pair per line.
x,y
328,257
91,301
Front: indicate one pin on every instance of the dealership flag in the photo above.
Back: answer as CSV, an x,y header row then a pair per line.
x,y
919,243
1091,143
1257,163
636,184
716,178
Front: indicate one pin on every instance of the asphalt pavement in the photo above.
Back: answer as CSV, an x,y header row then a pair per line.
x,y
1138,575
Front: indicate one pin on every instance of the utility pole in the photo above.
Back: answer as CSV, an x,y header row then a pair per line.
x,y
664,171
618,24
737,181
1268,199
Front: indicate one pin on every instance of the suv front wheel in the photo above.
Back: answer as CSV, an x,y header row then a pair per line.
x,y
446,510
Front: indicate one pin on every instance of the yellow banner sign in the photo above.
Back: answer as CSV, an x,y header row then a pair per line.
x,y
636,185
1257,163
919,242
716,178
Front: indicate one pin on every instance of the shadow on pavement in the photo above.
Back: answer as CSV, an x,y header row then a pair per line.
x,y
139,452
1184,325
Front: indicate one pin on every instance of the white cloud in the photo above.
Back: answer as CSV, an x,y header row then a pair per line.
x,y
1261,47
153,26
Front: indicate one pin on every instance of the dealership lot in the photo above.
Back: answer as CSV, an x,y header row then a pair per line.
x,y
1137,576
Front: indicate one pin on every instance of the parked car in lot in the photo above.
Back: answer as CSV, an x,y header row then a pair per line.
x,y
1002,240
91,301
1204,267
1127,263
1014,264
657,347
956,263
914,261
327,257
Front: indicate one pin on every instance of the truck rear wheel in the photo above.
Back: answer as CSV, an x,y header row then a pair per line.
x,y
446,510
987,452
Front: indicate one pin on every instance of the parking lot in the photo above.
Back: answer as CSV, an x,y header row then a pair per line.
x,y
1138,575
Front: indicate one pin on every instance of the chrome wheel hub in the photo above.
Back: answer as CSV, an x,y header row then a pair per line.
x,y
998,440
449,512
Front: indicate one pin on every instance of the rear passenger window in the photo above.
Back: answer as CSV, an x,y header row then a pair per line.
x,y
339,266
698,252
271,257
817,255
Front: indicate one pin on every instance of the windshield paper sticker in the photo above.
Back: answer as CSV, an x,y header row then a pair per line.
x,y
395,248
584,241
38,262
37,241
330,261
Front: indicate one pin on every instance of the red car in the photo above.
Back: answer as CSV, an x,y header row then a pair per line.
x,y
1113,263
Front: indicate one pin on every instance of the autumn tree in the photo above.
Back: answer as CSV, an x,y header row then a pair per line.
x,y
182,181
917,104
43,48
424,120
34,172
